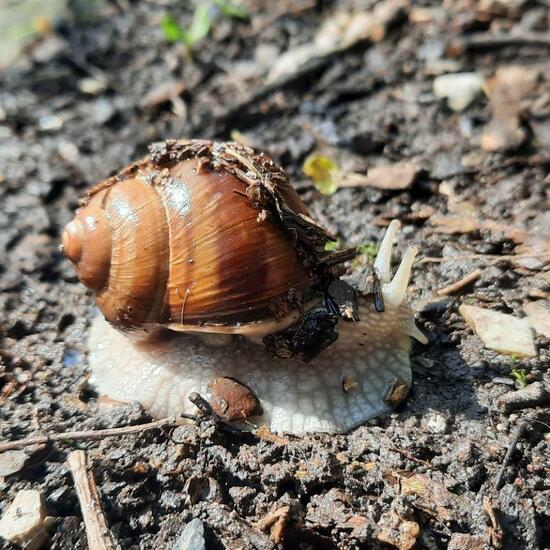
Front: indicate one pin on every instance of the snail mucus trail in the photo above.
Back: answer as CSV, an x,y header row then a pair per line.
x,y
211,241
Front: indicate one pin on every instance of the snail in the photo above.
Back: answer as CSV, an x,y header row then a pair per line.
x,y
206,265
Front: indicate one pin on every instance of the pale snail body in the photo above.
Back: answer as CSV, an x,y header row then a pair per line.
x,y
249,275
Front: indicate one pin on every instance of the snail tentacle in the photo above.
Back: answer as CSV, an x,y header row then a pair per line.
x,y
394,291
382,263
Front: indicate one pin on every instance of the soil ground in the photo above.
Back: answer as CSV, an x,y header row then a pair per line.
x,y
87,97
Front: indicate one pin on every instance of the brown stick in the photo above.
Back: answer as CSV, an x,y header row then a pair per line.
x,y
487,40
410,456
511,447
85,434
460,284
486,257
98,534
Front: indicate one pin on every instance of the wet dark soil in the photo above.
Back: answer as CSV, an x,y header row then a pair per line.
x,y
89,97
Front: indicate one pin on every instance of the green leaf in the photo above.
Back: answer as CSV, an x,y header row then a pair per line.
x,y
171,29
333,245
200,27
369,250
520,375
321,170
229,9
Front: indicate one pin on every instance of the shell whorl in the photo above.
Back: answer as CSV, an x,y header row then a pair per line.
x,y
86,241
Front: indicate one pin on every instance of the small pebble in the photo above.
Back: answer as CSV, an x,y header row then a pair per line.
x,y
538,316
50,123
192,537
92,86
460,89
23,520
12,461
437,424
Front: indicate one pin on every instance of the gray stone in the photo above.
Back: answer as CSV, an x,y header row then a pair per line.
x,y
192,537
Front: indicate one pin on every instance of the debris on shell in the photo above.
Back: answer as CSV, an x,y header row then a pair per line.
x,y
538,316
232,400
23,520
460,89
397,531
499,331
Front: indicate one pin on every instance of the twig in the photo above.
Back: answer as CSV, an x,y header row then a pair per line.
x,y
410,456
97,532
460,284
488,257
536,394
206,409
483,40
514,441
85,434
496,529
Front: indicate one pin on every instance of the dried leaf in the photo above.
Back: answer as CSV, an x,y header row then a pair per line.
x,y
506,90
391,176
431,496
499,331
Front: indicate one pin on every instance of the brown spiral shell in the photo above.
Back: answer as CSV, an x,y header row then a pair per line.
x,y
199,236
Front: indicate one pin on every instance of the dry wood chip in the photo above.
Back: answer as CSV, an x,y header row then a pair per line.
x,y
97,533
506,90
162,93
536,394
431,496
264,433
495,531
460,284
275,522
389,177
462,541
465,224
397,531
